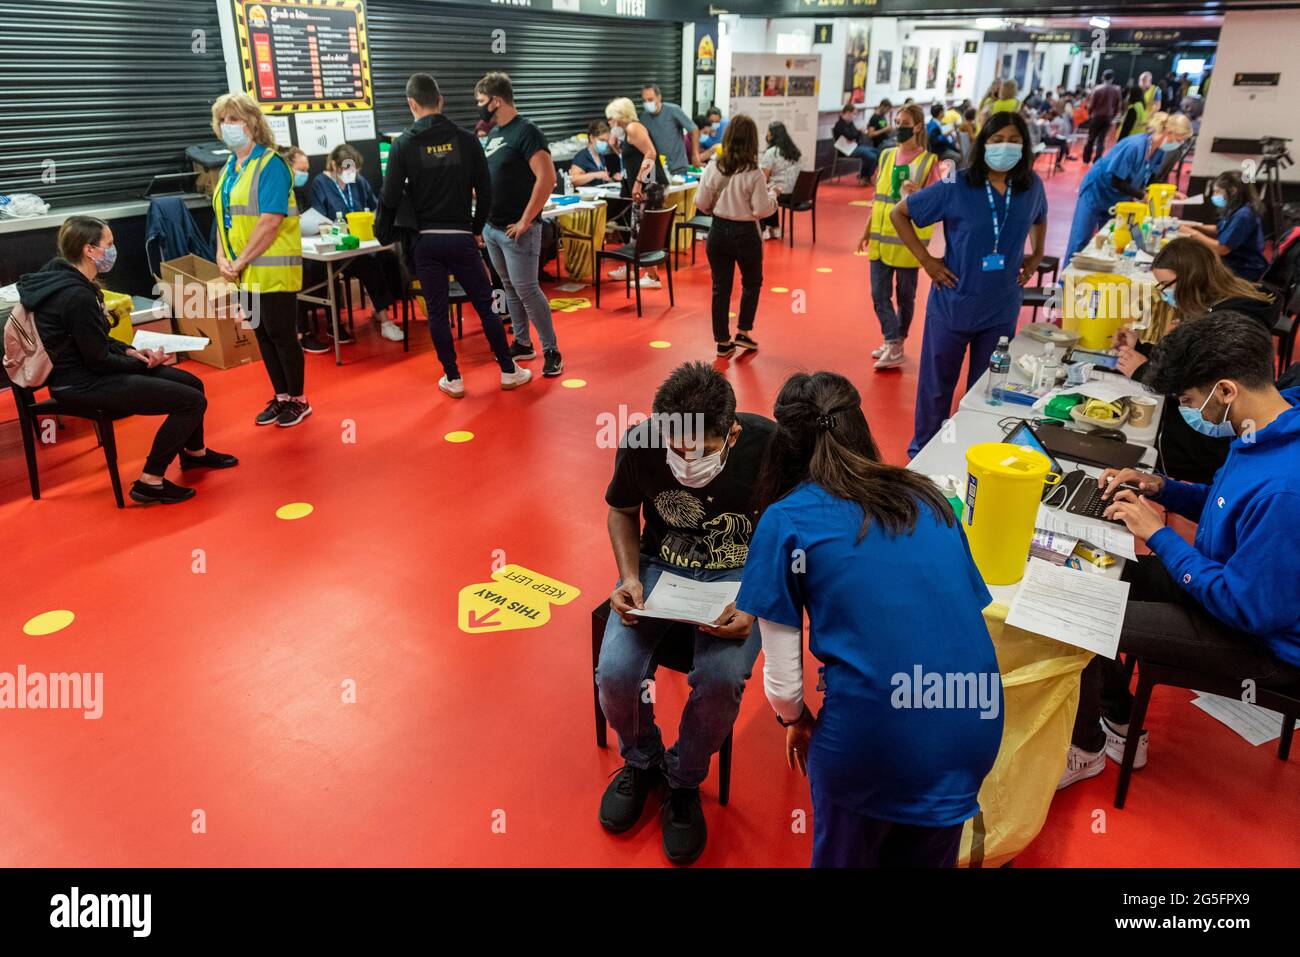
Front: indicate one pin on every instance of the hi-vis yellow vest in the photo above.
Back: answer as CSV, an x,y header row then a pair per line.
x,y
279,268
882,241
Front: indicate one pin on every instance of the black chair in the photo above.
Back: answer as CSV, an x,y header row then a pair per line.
x,y
1283,699
1284,331
456,299
30,410
698,223
676,652
801,199
1049,265
1038,298
650,249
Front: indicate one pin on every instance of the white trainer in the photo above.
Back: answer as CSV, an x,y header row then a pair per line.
x,y
892,357
1117,738
879,351
513,380
649,282
776,232
391,331
1081,765
619,274
453,387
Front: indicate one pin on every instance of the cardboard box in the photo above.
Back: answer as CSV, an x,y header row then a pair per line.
x,y
204,304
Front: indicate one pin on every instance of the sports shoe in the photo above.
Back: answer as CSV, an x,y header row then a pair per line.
x,y
208,460
167,493
1117,738
345,337
391,331
682,820
619,274
293,412
649,282
513,380
879,351
453,387
518,351
892,357
553,365
742,340
271,414
313,345
725,349
1081,765
624,800
776,232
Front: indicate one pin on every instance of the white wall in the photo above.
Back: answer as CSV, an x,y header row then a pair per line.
x,y
1252,42
890,33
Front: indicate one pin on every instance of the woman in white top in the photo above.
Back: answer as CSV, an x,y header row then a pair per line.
x,y
736,193
780,164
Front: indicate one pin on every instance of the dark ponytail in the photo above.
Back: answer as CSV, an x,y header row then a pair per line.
x,y
822,437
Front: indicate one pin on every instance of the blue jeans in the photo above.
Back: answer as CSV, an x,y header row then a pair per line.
x,y
515,261
884,277
717,680
436,255
869,156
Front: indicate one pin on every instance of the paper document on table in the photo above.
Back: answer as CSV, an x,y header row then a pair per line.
x,y
1076,607
1115,539
1110,388
685,599
1256,724
1189,201
845,146
144,339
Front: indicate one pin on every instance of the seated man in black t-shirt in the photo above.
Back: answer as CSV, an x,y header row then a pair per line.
x,y
689,471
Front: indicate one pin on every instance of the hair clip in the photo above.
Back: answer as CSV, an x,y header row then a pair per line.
x,y
826,422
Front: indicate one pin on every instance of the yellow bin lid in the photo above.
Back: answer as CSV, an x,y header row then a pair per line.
x,y
1013,462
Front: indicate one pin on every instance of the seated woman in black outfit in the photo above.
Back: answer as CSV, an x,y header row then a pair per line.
x,y
90,368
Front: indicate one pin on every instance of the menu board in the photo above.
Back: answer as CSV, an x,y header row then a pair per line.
x,y
298,56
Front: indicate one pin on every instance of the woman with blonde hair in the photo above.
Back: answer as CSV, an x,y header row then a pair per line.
x,y
1007,100
1124,173
644,178
259,247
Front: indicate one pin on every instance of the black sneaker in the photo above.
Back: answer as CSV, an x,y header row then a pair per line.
x,y
682,819
624,799
293,412
345,337
271,414
208,460
742,340
553,364
168,493
725,349
313,345
518,351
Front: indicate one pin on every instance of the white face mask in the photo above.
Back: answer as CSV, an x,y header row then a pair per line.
x,y
348,177
651,106
696,473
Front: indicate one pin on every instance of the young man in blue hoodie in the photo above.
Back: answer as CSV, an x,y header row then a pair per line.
x,y
1227,601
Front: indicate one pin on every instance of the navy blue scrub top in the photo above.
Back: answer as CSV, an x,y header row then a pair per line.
x,y
981,300
1243,234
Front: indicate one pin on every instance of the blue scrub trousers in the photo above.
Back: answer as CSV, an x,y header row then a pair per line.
x,y
1089,216
942,351
844,838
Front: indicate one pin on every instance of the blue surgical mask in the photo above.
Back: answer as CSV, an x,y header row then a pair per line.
x,y
1219,430
1002,156
1168,146
1219,200
602,147
106,262
299,178
1167,295
234,135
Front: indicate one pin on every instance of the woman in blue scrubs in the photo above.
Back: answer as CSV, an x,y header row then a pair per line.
x,y
872,553
988,211
1238,237
1123,174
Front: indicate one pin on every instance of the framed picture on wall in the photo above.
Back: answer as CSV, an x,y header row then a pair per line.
x,y
855,62
907,68
932,70
951,85
884,65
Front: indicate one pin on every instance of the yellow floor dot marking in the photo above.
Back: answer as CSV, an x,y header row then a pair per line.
x,y
780,289
824,269
731,315
47,623
573,383
294,510
570,304
660,344
459,436
859,202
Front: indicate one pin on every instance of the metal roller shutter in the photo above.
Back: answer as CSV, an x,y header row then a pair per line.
x,y
565,68
109,90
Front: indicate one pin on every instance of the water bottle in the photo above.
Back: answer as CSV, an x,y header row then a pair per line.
x,y
999,370
1045,380
340,227
568,184
1128,262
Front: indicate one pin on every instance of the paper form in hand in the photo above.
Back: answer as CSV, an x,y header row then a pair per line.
x,y
1256,724
144,339
1115,539
684,599
1077,607
845,146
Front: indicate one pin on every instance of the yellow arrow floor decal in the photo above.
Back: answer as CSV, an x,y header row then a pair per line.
x,y
517,598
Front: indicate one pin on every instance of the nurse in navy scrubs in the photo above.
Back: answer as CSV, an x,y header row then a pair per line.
x,y
1123,174
1238,236
872,553
988,211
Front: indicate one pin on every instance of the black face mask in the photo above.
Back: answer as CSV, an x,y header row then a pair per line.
x,y
905,133
486,114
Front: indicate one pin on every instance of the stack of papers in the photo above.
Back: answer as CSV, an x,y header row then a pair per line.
x,y
684,599
1115,539
1052,547
1077,607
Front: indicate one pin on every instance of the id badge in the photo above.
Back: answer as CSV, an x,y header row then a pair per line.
x,y
994,262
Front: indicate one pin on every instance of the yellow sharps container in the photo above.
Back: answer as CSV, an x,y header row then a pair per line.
x,y
1160,198
1096,305
1004,485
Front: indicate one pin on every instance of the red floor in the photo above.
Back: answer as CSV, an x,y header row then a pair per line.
x,y
223,690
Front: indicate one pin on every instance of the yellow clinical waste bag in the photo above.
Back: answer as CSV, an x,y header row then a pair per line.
x,y
1004,485
1096,306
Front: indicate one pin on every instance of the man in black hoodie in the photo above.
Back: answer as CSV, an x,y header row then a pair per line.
x,y
443,171
93,370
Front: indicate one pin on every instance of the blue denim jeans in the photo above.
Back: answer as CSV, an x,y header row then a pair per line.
x,y
515,261
884,278
717,681
869,156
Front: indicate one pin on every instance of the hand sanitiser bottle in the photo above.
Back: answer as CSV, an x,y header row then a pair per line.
x,y
999,369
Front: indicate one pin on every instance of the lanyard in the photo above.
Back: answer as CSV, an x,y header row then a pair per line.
x,y
346,194
1006,213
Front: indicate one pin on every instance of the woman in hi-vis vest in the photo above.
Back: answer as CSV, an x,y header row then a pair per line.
x,y
901,171
259,247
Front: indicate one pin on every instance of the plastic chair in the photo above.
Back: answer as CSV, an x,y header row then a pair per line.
x,y
29,410
802,199
650,249
699,223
